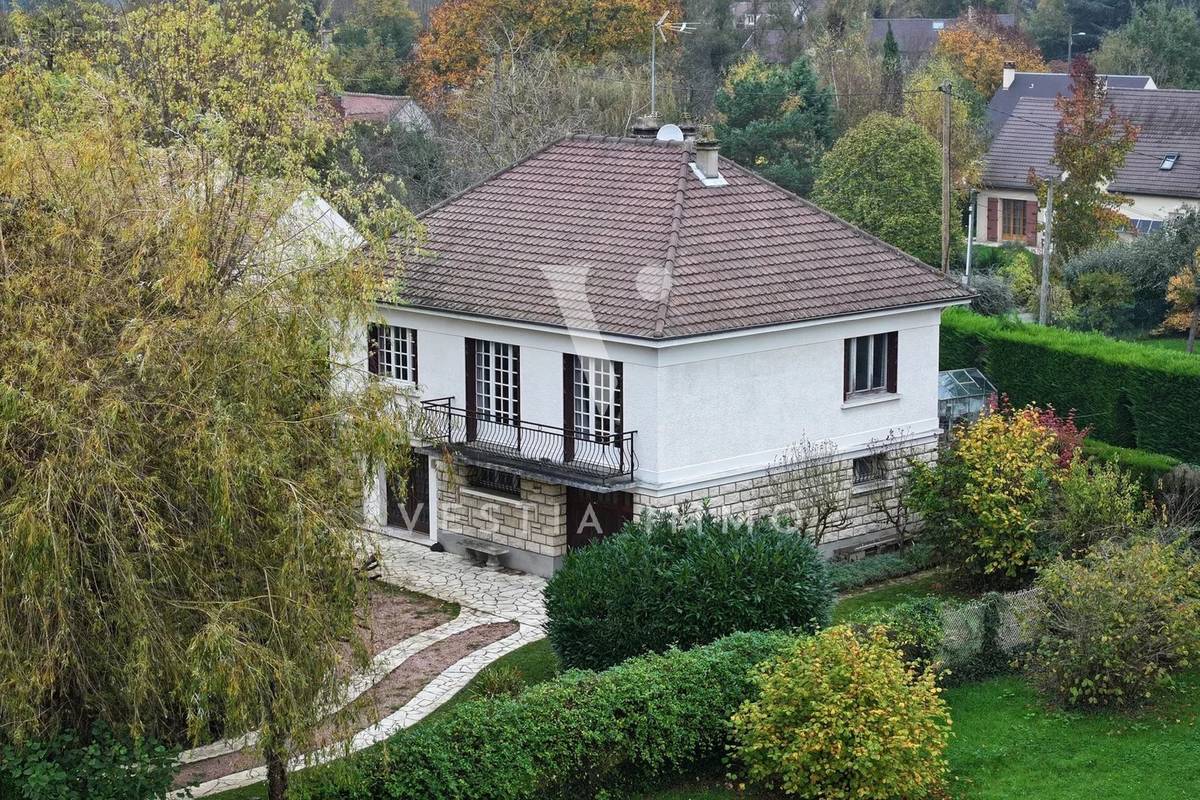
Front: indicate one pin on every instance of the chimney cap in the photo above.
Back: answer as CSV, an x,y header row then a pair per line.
x,y
706,137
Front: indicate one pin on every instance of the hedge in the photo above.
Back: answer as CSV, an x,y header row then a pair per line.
x,y
641,723
1131,395
847,575
1148,468
668,582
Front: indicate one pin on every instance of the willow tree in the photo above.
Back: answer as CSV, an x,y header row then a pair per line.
x,y
181,459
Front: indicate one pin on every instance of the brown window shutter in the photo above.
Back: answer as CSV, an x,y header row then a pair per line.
x,y
373,348
846,369
412,333
469,348
1031,212
993,219
619,396
568,395
893,353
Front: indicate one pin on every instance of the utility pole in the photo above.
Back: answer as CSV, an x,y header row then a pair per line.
x,y
1047,234
970,233
946,94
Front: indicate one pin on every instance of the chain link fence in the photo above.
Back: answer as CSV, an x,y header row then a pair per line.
x,y
982,637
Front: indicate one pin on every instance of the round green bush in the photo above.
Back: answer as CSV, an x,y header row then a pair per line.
x,y
664,582
1114,627
841,716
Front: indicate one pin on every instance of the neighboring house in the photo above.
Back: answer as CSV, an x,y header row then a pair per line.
x,y
612,325
1016,85
771,29
917,36
1161,176
384,109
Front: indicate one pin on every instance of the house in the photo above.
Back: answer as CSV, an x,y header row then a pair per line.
x,y
1016,85
1161,175
383,109
619,324
917,36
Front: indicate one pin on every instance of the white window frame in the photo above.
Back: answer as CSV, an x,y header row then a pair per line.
x,y
497,383
396,352
877,346
597,401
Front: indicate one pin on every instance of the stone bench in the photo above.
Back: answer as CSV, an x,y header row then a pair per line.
x,y
484,553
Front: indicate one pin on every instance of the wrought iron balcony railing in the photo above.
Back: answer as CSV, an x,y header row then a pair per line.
x,y
502,440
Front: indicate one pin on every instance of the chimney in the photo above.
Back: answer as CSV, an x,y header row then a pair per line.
x,y
646,127
706,152
1010,74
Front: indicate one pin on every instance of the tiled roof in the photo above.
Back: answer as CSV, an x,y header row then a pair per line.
x,y
621,236
1048,84
916,36
1168,121
363,107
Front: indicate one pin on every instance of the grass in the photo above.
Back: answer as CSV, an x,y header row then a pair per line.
x,y
1166,342
534,663
891,593
1007,745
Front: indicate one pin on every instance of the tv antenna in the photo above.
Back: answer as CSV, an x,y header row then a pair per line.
x,y
659,30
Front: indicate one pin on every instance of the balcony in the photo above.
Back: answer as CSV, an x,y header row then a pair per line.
x,y
604,462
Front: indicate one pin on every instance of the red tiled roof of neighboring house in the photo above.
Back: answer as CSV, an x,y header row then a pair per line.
x,y
362,107
1168,121
621,236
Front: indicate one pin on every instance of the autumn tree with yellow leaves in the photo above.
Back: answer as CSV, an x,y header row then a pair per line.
x,y
979,44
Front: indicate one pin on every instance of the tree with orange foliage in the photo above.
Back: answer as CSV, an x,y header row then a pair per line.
x,y
466,36
979,44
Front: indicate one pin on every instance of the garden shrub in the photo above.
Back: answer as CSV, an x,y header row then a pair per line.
x,y
664,581
1110,629
986,500
1146,467
1103,302
993,296
643,722
100,766
840,715
1131,395
1179,495
914,626
846,575
1098,500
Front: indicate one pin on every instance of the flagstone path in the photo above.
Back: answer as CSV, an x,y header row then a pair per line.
x,y
487,597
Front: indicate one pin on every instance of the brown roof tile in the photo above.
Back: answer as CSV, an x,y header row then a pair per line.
x,y
620,236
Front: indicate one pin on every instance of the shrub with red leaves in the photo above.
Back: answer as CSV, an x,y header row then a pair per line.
x,y
1067,433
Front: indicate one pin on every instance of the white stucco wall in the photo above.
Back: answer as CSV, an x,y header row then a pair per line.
x,y
981,210
711,408
1153,207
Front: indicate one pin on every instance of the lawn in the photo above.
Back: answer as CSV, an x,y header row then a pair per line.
x,y
1007,745
920,585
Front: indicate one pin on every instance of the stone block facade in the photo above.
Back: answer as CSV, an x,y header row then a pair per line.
x,y
533,524
865,518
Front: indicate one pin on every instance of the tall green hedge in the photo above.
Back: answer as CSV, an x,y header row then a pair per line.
x,y
642,722
1131,395
1148,468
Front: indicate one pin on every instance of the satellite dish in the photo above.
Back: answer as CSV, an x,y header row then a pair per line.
x,y
670,133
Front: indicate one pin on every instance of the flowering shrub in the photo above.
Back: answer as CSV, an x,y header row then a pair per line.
x,y
841,716
1110,629
986,501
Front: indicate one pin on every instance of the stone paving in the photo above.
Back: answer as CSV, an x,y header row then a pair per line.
x,y
485,595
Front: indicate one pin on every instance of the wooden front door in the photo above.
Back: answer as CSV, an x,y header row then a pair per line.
x,y
410,509
594,515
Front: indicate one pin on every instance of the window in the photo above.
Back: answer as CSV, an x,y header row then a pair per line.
x,y
596,395
497,382
1013,221
870,364
869,469
1168,161
749,20
392,352
495,480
